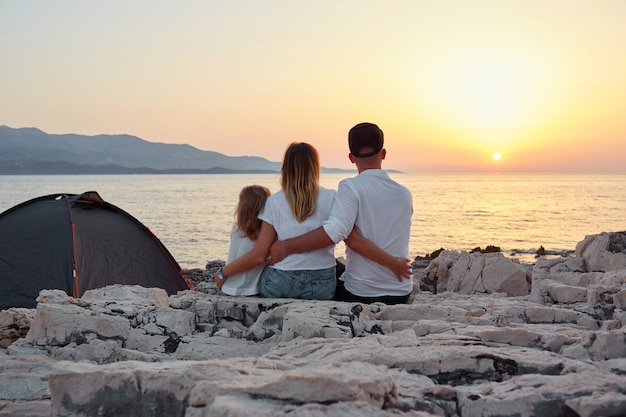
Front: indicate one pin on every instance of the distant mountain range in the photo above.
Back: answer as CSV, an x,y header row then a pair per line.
x,y
30,151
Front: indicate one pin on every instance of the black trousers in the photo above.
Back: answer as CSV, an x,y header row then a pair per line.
x,y
341,294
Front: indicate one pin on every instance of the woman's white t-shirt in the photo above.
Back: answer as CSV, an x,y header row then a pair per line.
x,y
244,283
278,213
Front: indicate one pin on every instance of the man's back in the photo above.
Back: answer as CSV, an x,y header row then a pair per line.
x,y
381,209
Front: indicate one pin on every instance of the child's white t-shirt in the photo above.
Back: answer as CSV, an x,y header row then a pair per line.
x,y
247,282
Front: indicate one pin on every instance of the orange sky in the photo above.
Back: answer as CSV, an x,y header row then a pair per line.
x,y
450,82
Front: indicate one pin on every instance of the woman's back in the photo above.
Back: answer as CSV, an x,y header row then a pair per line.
x,y
278,213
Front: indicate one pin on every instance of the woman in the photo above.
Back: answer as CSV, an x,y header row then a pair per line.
x,y
299,207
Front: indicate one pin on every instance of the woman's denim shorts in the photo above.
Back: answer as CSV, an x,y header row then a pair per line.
x,y
314,284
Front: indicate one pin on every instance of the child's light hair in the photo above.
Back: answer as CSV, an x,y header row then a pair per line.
x,y
251,201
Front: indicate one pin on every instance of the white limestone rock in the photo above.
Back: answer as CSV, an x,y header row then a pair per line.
x,y
619,299
434,277
603,252
553,352
80,388
167,321
332,382
59,324
470,273
309,321
605,345
268,324
420,368
128,294
601,294
24,378
55,297
563,293
14,324
536,395
599,405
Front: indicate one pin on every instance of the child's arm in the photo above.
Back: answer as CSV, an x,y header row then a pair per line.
x,y
400,266
255,257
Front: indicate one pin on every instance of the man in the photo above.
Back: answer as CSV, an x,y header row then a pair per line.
x,y
380,210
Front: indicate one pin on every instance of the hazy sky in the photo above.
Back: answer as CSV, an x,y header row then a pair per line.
x,y
450,82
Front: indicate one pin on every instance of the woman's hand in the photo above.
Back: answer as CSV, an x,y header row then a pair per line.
x,y
218,281
402,268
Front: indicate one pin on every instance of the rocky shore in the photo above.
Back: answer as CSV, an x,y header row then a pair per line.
x,y
483,335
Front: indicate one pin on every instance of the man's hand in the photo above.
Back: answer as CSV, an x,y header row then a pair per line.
x,y
402,268
278,251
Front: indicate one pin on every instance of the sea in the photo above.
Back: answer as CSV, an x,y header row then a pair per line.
x,y
192,214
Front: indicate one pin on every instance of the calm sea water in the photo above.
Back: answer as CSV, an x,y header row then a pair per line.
x,y
193,214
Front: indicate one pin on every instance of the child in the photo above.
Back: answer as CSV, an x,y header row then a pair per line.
x,y
242,239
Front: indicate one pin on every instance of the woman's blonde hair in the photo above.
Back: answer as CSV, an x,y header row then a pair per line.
x,y
299,179
251,201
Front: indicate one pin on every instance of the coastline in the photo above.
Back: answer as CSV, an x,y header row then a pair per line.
x,y
526,258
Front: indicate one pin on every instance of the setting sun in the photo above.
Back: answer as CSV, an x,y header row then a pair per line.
x,y
490,98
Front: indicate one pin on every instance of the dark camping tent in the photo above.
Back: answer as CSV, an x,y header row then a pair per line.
x,y
77,242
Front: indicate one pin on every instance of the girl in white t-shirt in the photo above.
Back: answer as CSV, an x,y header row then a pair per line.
x,y
243,237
